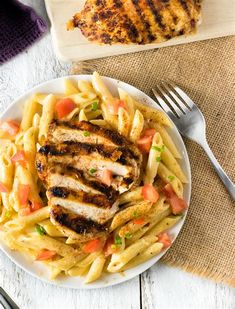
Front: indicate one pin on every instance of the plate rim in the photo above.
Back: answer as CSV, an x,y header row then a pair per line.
x,y
125,278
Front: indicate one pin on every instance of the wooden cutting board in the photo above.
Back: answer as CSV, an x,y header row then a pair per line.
x,y
218,19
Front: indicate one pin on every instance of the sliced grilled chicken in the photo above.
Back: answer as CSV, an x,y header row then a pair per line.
x,y
76,180
136,21
93,206
76,226
84,132
71,163
87,157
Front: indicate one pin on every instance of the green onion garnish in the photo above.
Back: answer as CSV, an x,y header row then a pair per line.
x,y
158,159
171,177
113,247
86,133
156,148
160,149
118,240
8,214
40,229
135,214
128,235
95,106
92,171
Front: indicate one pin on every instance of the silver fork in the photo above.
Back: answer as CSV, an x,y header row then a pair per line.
x,y
190,122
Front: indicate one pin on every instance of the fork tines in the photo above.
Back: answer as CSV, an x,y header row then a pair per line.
x,y
177,99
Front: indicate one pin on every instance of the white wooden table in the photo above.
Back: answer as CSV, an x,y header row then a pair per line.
x,y
159,287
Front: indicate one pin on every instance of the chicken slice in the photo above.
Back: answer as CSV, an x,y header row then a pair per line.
x,y
91,206
76,226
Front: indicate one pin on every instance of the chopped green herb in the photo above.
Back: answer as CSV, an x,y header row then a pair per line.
x,y
8,214
128,235
156,148
160,149
40,229
92,171
113,247
95,106
118,240
135,214
171,177
158,159
86,133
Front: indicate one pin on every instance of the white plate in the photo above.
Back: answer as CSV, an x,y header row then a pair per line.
x,y
38,270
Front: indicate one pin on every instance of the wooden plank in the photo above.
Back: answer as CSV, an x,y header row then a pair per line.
x,y
218,19
29,292
166,287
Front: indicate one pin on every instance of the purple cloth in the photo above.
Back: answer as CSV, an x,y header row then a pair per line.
x,y
20,26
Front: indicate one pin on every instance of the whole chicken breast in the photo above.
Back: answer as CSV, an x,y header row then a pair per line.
x,y
136,21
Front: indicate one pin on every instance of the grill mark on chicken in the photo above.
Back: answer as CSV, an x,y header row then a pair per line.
x,y
185,6
157,16
81,149
84,178
98,200
150,36
75,222
114,137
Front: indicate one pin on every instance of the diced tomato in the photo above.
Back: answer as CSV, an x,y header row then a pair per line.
x,y
178,205
106,176
144,144
138,221
24,211
3,188
10,126
108,250
45,255
93,246
145,141
35,206
23,193
149,132
114,106
19,157
165,239
150,193
64,107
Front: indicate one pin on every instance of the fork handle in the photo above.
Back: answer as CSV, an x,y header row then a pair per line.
x,y
229,185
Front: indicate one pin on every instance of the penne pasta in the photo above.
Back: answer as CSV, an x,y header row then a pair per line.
x,y
30,109
124,122
129,213
137,126
167,176
29,140
96,269
153,114
70,87
121,259
153,159
131,196
149,253
171,163
163,225
47,117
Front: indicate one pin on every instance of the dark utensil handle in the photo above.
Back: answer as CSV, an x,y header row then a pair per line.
x,y
6,301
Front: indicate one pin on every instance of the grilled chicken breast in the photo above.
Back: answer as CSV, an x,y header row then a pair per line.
x,y
70,163
136,21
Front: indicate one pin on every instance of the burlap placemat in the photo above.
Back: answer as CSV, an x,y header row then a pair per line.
x,y
206,70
